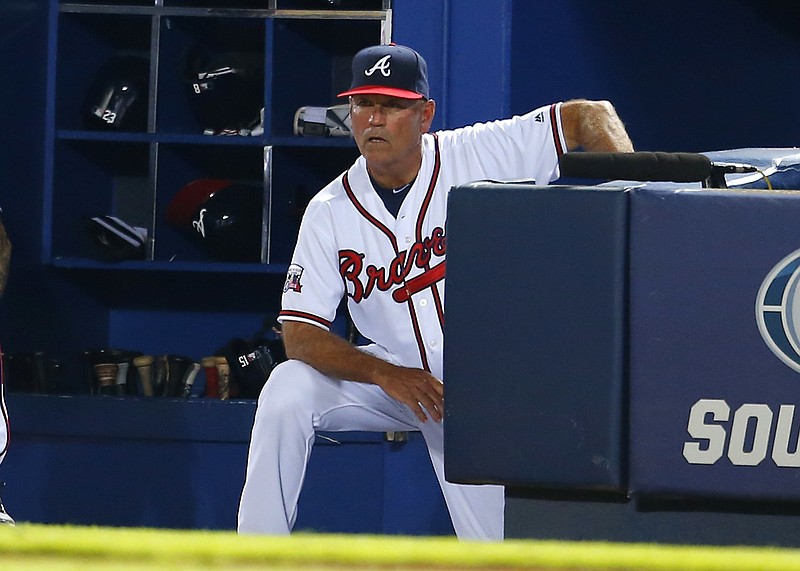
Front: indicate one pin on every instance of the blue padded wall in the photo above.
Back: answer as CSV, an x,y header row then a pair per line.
x,y
534,356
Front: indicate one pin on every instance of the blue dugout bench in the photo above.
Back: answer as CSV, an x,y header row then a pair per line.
x,y
172,463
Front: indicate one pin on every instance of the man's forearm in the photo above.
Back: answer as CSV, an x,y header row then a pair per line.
x,y
330,354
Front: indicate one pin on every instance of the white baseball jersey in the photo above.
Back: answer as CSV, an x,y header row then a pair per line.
x,y
392,269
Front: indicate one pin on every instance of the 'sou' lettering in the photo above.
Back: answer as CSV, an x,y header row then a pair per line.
x,y
713,434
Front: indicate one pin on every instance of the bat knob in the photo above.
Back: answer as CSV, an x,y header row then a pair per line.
x,y
144,367
106,377
209,365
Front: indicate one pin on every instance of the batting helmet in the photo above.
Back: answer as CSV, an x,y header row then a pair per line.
x,y
226,90
115,240
224,218
117,97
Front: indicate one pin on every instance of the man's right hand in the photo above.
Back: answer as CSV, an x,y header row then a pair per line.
x,y
416,388
336,358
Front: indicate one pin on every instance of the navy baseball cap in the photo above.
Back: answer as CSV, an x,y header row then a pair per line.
x,y
397,71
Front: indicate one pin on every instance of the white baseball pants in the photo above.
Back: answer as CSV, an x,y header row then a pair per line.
x,y
296,401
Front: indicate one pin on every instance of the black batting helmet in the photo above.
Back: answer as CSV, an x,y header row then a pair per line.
x,y
117,96
223,217
226,90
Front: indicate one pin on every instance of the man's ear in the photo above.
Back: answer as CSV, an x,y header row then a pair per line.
x,y
428,112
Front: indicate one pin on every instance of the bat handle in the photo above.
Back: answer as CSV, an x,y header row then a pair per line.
x,y
106,377
188,380
224,371
144,366
121,380
209,365
160,374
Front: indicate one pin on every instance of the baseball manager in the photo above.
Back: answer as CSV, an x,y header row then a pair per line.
x,y
376,234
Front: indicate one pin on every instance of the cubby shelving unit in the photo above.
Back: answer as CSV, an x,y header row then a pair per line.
x,y
178,297
133,172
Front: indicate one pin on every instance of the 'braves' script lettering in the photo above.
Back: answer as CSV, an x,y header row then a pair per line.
x,y
365,280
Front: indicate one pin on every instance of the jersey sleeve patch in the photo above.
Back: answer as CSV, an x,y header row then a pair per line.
x,y
293,276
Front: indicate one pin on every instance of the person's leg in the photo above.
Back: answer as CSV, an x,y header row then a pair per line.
x,y
296,401
477,512
4,430
4,424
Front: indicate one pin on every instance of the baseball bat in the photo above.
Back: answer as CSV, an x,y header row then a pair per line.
x,y
224,371
188,380
121,380
94,356
144,366
176,369
209,365
160,371
106,377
